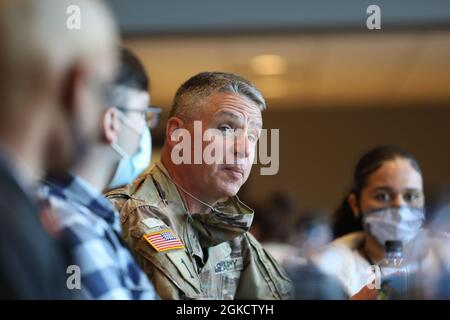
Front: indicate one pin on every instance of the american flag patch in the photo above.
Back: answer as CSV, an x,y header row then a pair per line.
x,y
164,240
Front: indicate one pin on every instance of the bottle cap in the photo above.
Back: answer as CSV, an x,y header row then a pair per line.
x,y
393,246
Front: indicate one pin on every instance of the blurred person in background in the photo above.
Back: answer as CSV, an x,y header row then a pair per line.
x,y
386,203
131,104
310,235
292,238
89,224
274,224
311,232
436,206
51,84
184,221
436,284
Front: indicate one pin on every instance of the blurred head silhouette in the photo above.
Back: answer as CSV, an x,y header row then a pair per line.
x,y
53,80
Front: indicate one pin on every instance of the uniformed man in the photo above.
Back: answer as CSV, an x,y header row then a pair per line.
x,y
183,220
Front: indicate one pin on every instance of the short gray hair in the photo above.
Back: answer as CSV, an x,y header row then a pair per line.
x,y
206,83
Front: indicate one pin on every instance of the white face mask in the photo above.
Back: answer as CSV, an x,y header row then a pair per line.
x,y
395,223
130,167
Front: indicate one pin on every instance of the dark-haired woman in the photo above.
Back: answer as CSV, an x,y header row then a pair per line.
x,y
385,203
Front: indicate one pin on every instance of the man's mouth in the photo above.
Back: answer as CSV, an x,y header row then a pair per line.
x,y
235,171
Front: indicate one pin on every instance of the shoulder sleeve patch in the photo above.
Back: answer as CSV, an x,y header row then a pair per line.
x,y
164,240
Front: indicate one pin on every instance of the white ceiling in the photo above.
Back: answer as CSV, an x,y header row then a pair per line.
x,y
323,70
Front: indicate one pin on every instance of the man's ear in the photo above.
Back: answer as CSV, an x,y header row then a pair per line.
x,y
110,125
72,85
173,124
353,203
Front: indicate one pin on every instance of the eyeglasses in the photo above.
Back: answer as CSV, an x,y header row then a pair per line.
x,y
150,114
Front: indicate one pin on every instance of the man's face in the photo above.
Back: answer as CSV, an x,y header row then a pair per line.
x,y
237,122
77,118
132,120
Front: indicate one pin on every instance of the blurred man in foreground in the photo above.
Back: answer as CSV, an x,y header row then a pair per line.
x,y
51,85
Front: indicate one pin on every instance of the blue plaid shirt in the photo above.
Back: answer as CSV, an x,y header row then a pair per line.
x,y
90,228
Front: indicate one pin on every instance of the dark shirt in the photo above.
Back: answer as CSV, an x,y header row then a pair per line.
x,y
32,264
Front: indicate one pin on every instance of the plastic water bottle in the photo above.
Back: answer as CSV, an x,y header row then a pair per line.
x,y
394,271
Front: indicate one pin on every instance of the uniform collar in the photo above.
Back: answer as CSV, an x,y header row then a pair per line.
x,y
231,219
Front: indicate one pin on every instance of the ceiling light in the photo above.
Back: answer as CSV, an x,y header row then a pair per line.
x,y
268,65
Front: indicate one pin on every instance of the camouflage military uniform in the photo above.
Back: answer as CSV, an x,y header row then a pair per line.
x,y
218,258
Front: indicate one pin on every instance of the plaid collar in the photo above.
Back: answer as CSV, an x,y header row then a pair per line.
x,y
75,189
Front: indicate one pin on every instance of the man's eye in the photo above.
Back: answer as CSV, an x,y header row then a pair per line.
x,y
383,197
252,137
225,129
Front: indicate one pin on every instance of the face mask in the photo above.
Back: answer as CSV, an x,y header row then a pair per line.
x,y
395,223
130,167
218,226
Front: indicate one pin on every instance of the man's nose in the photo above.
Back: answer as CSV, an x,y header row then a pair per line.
x,y
242,144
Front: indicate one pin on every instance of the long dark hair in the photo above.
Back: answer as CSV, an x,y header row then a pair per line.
x,y
344,220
